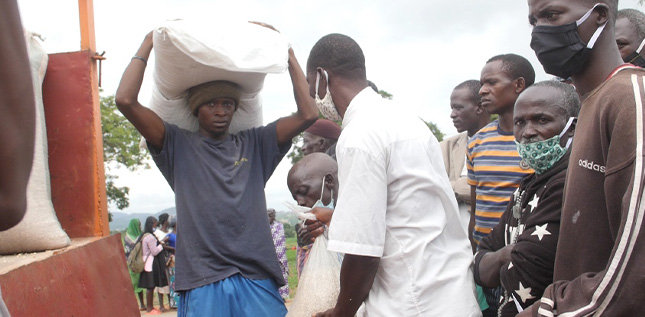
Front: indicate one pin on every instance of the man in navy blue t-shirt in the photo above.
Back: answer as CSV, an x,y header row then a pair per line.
x,y
225,259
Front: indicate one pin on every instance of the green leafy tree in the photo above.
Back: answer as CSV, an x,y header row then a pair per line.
x,y
296,152
289,230
435,130
387,95
120,149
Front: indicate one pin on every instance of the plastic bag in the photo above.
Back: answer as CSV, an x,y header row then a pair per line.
x,y
319,284
303,213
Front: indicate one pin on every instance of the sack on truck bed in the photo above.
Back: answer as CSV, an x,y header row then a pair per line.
x,y
188,54
39,229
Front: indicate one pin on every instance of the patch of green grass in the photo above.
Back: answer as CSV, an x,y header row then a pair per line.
x,y
292,259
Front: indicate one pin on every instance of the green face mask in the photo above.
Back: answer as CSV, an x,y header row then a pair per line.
x,y
542,155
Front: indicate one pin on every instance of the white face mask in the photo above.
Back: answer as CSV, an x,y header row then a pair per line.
x,y
326,106
320,203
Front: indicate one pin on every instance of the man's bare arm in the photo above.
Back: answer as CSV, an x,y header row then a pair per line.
x,y
144,120
17,117
356,278
491,263
288,127
471,223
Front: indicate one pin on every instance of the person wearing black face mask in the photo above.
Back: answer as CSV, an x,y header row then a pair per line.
x,y
630,36
598,263
560,49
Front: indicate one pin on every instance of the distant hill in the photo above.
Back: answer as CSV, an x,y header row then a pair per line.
x,y
121,220
286,217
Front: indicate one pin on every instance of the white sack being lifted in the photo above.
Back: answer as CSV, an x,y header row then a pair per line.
x,y
189,53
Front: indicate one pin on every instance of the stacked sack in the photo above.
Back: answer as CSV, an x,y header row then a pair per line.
x,y
39,229
188,54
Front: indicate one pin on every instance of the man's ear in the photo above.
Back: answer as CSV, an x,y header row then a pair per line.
x,y
321,142
572,128
520,84
603,14
479,109
323,82
329,181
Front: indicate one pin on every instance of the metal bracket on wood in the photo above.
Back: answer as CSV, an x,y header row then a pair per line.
x,y
100,58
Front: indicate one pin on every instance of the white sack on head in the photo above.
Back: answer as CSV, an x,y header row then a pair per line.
x,y
188,54
39,229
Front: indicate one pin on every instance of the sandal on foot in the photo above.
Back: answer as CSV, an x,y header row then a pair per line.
x,y
154,311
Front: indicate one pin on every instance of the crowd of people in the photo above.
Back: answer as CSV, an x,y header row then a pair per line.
x,y
550,219
535,213
513,216
158,242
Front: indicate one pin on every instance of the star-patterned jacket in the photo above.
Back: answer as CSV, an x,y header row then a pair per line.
x,y
535,234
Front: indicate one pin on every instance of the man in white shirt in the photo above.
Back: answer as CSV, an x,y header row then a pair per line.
x,y
396,219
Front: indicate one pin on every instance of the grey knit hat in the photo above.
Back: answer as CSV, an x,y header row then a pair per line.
x,y
203,93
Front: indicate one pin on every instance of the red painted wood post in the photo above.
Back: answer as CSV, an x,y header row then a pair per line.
x,y
75,141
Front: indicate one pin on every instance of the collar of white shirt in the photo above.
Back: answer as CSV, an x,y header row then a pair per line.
x,y
359,101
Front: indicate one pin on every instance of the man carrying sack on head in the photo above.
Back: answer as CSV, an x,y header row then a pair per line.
x,y
218,179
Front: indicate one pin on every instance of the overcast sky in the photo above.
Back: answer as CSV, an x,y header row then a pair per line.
x,y
417,50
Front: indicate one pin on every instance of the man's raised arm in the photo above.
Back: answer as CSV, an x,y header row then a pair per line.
x,y
144,120
288,127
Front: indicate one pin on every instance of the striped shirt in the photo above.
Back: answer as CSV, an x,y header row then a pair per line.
x,y
494,168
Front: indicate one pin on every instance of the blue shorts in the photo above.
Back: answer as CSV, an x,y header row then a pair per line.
x,y
233,296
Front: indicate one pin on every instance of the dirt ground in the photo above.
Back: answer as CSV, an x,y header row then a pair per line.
x,y
172,312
